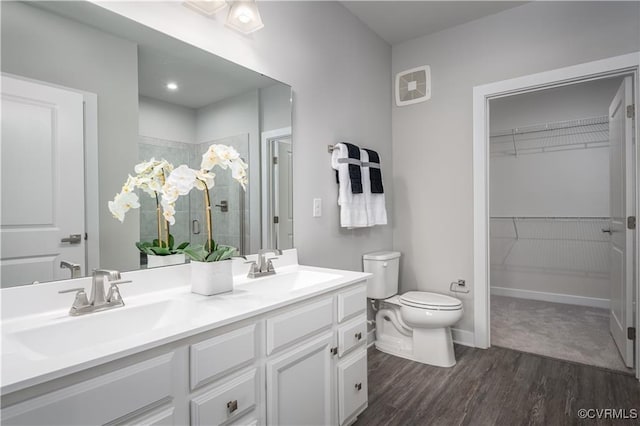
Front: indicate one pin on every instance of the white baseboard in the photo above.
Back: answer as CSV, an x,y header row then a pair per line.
x,y
551,297
462,337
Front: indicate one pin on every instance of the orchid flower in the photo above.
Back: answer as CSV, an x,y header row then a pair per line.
x,y
183,179
150,177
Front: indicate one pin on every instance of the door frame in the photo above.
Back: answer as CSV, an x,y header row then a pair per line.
x,y
628,64
265,194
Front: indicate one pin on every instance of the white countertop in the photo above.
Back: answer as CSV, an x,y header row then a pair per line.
x,y
192,314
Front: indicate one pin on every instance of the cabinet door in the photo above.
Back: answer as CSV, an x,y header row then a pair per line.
x,y
352,386
300,384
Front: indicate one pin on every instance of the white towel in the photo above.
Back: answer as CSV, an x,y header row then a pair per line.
x,y
353,211
375,203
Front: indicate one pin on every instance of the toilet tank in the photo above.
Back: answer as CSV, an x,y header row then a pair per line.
x,y
384,266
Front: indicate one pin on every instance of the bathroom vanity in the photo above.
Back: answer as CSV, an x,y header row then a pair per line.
x,y
284,349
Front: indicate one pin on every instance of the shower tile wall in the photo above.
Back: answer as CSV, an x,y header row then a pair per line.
x,y
228,227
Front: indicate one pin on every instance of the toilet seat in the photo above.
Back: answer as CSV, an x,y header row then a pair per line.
x,y
431,301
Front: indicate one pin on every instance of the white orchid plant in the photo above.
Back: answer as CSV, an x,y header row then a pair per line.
x,y
183,179
150,177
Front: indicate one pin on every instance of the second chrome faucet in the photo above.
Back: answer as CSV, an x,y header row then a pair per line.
x,y
263,266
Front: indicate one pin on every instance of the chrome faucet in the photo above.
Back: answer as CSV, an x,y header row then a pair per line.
x,y
98,301
263,266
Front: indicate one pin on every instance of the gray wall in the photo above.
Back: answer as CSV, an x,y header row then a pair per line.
x,y
43,46
163,120
432,141
340,74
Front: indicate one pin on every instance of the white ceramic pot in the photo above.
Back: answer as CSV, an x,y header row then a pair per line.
x,y
172,259
209,278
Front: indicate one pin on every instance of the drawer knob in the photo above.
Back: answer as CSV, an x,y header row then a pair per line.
x,y
334,351
232,406
359,335
358,386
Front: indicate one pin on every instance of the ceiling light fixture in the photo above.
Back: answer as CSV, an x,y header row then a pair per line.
x,y
207,7
244,16
172,86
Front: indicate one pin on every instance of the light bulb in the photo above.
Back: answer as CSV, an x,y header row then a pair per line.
x,y
244,18
172,86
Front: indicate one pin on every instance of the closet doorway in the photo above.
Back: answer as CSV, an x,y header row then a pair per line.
x,y
558,237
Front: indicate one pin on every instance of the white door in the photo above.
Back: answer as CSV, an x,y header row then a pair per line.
x,y
283,193
42,182
300,384
621,204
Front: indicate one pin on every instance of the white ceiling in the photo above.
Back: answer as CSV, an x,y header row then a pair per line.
x,y
398,21
202,78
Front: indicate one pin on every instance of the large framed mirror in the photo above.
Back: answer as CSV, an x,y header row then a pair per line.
x,y
88,94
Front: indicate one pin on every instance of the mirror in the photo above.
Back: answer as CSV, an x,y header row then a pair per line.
x,y
87,95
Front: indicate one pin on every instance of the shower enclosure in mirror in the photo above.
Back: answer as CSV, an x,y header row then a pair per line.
x,y
86,95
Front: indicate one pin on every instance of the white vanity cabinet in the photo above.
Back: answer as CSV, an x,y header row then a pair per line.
x,y
302,363
317,365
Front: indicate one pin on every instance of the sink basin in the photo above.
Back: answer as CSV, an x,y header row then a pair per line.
x,y
62,335
69,334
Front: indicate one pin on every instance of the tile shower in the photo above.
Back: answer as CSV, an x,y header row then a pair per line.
x,y
230,227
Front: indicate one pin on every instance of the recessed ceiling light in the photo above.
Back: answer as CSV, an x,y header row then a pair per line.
x,y
172,86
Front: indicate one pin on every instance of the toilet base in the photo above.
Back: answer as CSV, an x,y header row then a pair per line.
x,y
437,351
433,346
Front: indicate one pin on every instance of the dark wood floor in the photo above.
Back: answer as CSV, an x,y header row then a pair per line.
x,y
495,386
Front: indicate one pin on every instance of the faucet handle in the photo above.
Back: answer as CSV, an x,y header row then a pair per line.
x,y
113,295
270,264
71,290
80,301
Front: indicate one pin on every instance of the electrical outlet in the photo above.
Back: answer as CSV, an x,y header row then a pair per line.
x,y
317,207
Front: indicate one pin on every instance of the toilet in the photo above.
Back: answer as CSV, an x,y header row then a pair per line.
x,y
414,325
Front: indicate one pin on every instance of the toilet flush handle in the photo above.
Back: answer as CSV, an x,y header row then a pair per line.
x,y
385,264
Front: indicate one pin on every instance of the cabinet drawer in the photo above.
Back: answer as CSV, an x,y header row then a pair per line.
x,y
225,402
302,322
220,355
102,400
352,302
352,334
352,386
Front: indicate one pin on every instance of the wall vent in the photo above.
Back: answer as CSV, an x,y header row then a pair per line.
x,y
413,86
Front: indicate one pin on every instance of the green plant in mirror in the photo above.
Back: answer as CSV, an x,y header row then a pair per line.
x,y
183,179
158,248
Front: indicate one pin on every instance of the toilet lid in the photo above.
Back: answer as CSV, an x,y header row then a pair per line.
x,y
430,300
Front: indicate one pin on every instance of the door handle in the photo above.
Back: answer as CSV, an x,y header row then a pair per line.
x,y
72,239
224,206
607,231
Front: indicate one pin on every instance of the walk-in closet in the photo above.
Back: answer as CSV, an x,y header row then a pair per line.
x,y
551,222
